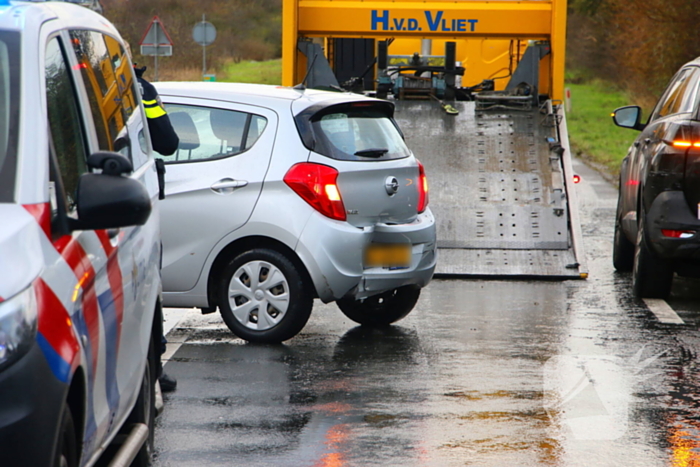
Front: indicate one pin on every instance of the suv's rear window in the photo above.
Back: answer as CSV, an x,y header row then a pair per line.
x,y
9,112
358,132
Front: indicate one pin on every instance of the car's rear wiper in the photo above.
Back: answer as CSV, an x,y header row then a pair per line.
x,y
371,152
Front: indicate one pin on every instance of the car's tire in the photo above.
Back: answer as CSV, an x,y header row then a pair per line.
x,y
652,277
263,297
382,309
623,249
67,447
145,409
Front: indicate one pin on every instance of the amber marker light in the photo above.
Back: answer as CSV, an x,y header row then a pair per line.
x,y
682,144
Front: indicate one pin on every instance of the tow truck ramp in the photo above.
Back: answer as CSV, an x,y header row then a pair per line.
x,y
498,189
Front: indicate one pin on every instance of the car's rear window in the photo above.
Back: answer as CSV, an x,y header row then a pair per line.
x,y
357,132
9,112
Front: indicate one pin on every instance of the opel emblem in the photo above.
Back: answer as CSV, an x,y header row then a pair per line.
x,y
392,185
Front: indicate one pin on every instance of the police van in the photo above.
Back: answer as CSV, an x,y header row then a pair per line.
x,y
80,317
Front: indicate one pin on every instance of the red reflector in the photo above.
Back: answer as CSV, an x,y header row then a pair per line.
x,y
316,184
677,233
632,182
423,197
577,178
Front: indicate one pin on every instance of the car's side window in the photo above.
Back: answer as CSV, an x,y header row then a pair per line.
x,y
679,96
207,133
65,125
105,90
257,125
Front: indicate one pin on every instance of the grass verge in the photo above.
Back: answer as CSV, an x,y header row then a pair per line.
x,y
592,133
267,72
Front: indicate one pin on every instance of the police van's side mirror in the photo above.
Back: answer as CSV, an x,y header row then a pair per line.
x,y
109,200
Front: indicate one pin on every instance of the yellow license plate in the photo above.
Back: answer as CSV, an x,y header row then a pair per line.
x,y
388,255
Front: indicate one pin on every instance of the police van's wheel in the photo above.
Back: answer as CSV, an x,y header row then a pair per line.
x,y
382,309
67,447
144,411
263,297
652,277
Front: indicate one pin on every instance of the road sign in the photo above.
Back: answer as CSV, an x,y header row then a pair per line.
x,y
156,40
204,33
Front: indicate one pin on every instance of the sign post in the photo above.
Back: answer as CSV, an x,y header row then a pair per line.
x,y
156,41
204,33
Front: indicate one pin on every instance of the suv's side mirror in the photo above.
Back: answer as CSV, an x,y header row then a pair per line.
x,y
628,117
109,200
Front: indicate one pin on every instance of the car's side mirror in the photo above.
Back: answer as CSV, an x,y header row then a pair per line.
x,y
109,200
628,117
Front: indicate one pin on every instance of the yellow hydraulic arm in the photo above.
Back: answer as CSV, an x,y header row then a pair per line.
x,y
465,21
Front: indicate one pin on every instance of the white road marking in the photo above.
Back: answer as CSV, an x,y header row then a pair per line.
x,y
663,311
171,317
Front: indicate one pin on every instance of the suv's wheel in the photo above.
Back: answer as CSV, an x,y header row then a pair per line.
x,y
623,249
67,448
382,309
144,411
652,276
263,297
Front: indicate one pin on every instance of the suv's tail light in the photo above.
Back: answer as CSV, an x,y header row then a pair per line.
x,y
685,144
677,233
316,184
422,189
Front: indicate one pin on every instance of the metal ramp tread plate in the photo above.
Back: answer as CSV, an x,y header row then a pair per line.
x,y
502,263
496,189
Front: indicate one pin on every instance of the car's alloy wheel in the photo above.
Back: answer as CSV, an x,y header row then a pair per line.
x,y
263,297
144,411
623,249
67,448
382,309
652,276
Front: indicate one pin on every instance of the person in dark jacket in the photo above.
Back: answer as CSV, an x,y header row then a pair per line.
x,y
164,141
163,136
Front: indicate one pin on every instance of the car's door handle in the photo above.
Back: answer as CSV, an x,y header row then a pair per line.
x,y
636,144
227,185
647,141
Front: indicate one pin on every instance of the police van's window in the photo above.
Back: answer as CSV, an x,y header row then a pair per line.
x,y
96,67
358,134
209,133
9,113
124,75
64,121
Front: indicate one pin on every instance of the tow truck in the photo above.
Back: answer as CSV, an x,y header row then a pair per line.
x,y
478,89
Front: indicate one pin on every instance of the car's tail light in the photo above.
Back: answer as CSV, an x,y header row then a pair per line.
x,y
422,189
677,233
316,184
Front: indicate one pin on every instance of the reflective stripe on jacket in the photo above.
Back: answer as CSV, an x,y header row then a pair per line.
x,y
153,108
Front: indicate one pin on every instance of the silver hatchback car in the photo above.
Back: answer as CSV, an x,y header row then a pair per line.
x,y
277,196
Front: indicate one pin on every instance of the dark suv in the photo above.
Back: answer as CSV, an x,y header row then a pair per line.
x,y
657,220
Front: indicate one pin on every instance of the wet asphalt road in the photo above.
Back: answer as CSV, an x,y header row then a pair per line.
x,y
482,372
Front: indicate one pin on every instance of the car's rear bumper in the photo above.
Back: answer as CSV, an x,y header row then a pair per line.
x,y
333,253
31,400
669,211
